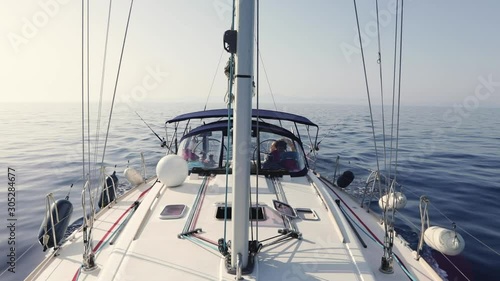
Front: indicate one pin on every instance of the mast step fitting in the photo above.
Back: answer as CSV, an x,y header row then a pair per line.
x,y
245,270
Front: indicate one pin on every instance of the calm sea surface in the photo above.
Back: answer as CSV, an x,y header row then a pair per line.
x,y
451,158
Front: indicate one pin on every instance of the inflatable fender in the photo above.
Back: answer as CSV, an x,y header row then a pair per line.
x,y
396,200
61,209
444,240
345,179
133,176
111,184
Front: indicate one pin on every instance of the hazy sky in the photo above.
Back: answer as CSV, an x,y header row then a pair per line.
x,y
309,48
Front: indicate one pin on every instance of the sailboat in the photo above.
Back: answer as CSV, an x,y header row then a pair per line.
x,y
236,198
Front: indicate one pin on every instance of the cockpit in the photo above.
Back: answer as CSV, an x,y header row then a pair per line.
x,y
208,148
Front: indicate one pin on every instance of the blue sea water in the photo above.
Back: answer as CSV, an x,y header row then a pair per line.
x,y
453,158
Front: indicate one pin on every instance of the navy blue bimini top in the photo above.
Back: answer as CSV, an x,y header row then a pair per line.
x,y
261,113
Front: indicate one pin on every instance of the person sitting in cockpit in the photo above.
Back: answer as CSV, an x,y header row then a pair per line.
x,y
210,162
274,157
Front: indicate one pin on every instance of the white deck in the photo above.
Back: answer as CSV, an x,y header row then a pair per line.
x,y
149,247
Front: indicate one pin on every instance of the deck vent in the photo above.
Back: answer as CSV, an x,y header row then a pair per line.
x,y
256,213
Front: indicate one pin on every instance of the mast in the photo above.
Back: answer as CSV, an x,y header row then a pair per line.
x,y
241,130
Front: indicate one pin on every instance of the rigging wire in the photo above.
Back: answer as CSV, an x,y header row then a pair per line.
x,y
388,225
83,88
116,84
389,235
393,184
399,91
368,96
88,92
379,61
87,222
267,78
88,255
213,80
394,86
101,91
394,181
456,267
366,82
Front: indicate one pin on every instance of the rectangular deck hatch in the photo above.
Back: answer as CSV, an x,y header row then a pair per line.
x,y
174,211
307,214
256,213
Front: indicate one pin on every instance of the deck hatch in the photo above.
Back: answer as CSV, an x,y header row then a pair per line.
x,y
307,214
256,213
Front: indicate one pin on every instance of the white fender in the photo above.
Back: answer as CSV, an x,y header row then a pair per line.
x,y
172,170
133,176
397,200
444,240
